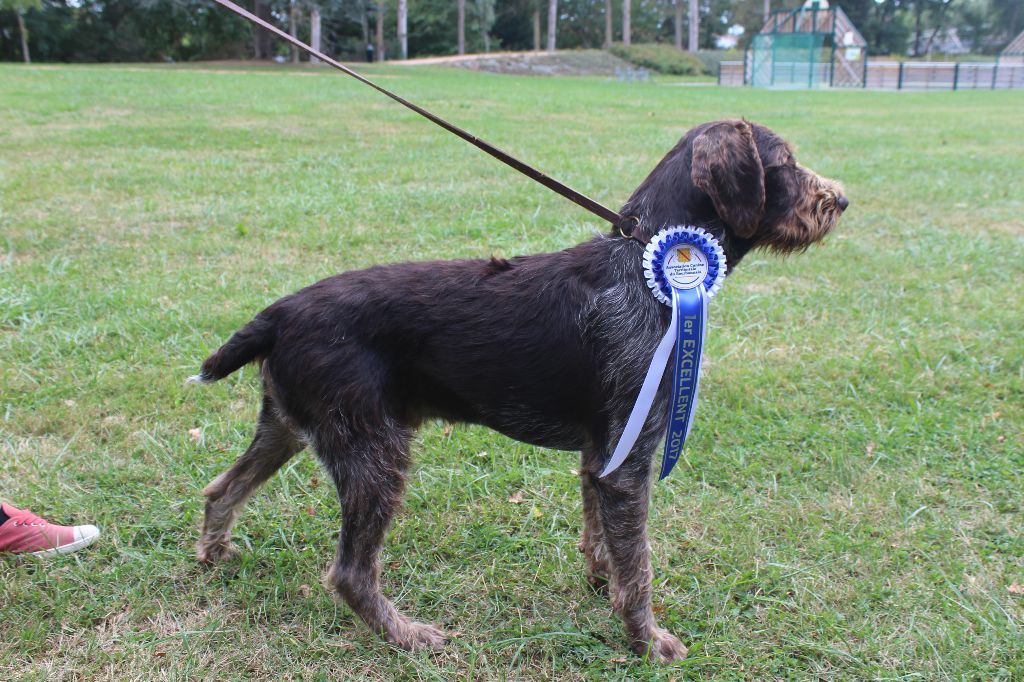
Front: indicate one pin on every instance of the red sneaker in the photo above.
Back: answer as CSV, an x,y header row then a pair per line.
x,y
26,533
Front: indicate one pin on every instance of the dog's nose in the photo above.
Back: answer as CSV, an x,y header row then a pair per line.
x,y
843,202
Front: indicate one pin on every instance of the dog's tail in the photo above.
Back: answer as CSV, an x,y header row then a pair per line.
x,y
251,342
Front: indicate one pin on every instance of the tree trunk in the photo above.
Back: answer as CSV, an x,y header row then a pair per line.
x,y
462,26
552,22
536,28
678,6
262,39
627,10
403,27
293,28
314,32
482,16
938,27
24,37
364,22
694,25
608,37
380,33
918,12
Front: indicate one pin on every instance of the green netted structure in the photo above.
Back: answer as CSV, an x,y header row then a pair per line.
x,y
808,47
1014,52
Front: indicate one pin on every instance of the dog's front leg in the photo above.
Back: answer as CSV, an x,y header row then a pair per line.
x,y
623,498
592,538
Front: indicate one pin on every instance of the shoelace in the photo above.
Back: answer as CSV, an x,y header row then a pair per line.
x,y
29,519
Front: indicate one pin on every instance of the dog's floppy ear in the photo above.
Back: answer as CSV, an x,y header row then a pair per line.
x,y
727,167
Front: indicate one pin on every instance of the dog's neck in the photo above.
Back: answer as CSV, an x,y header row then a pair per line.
x,y
667,197
652,218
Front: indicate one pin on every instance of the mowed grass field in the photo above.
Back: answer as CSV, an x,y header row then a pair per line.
x,y
851,505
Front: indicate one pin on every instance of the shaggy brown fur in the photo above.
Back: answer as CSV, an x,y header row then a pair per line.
x,y
549,349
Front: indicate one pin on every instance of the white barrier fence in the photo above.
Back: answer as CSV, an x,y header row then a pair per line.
x,y
892,75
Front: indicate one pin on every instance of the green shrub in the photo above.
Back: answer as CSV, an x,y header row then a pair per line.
x,y
661,58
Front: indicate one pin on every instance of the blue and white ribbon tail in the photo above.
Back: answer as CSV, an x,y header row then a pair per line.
x,y
692,307
644,401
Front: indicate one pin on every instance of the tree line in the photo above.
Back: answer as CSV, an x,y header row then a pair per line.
x,y
185,30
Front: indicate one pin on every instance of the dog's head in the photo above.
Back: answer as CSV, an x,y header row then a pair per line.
x,y
741,181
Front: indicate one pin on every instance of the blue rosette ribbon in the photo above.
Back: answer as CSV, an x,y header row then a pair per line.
x,y
685,267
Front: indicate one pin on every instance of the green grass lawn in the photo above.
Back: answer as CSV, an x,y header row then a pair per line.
x,y
851,505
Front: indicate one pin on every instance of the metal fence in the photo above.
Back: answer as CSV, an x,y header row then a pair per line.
x,y
892,75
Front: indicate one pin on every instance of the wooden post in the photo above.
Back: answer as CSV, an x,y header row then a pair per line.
x,y
810,66
832,55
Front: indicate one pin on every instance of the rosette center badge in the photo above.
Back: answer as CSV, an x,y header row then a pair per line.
x,y
685,266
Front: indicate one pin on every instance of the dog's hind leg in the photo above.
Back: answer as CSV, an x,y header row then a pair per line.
x,y
273,445
369,471
623,500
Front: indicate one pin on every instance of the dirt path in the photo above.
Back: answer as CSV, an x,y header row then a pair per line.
x,y
558,63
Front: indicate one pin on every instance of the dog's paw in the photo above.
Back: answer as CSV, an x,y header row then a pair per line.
x,y
217,552
598,583
414,636
662,647
596,570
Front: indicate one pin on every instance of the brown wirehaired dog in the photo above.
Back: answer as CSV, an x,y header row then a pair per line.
x,y
549,349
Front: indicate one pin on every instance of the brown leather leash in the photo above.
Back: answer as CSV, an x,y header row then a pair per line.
x,y
625,226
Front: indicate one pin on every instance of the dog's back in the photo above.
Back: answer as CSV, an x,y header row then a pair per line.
x,y
513,345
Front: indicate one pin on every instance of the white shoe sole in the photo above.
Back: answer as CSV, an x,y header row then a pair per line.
x,y
84,536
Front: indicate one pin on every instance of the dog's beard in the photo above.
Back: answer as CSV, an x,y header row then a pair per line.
x,y
811,219
825,215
